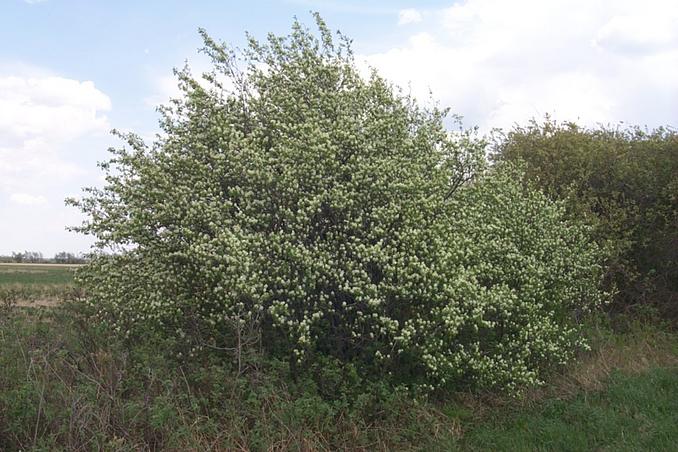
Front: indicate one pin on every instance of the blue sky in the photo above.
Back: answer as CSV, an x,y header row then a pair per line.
x,y
70,70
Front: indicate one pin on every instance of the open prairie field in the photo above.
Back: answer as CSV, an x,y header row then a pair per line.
x,y
35,284
36,274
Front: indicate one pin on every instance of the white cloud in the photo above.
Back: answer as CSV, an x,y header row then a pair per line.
x,y
165,88
498,62
39,117
27,200
45,121
49,107
33,2
409,16
643,32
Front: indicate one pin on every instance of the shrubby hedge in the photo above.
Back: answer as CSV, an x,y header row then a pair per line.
x,y
624,182
296,209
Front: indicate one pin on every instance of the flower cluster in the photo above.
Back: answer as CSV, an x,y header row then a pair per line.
x,y
293,200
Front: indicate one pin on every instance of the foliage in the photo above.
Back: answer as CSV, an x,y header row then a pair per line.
x,y
36,257
294,206
65,257
27,256
622,181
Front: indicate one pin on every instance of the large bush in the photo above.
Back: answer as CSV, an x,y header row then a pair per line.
x,y
294,207
624,182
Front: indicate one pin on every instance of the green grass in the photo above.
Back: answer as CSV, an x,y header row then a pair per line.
x,y
40,275
35,284
632,413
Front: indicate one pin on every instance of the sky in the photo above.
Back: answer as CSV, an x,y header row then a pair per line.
x,y
71,70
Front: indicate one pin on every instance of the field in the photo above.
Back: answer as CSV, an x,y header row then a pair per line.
x,y
66,385
35,284
36,274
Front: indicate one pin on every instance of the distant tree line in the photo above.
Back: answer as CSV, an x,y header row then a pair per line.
x,y
36,257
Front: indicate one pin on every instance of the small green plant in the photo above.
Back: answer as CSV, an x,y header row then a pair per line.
x,y
8,297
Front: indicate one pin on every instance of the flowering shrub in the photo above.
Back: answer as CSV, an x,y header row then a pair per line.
x,y
295,205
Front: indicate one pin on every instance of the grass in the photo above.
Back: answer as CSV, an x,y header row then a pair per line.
x,y
35,284
36,274
67,384
633,412
622,395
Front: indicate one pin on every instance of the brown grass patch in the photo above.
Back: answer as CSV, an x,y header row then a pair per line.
x,y
39,303
634,352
